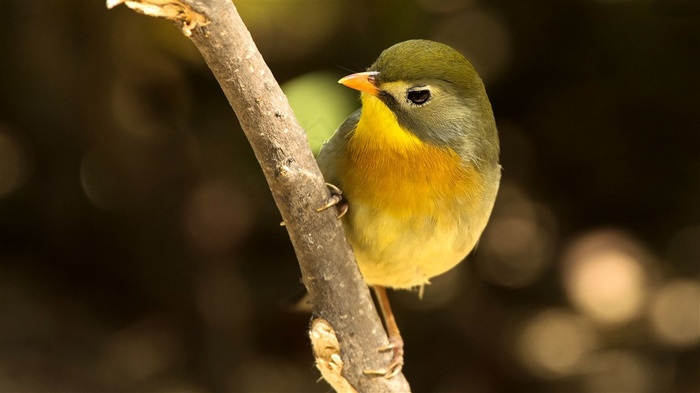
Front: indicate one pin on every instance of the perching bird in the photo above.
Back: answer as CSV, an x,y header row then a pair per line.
x,y
418,169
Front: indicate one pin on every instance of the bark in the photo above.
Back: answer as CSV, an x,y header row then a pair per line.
x,y
338,293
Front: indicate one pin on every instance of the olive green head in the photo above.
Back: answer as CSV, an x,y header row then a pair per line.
x,y
436,94
424,60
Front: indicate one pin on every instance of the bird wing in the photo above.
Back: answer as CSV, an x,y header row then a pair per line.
x,y
330,154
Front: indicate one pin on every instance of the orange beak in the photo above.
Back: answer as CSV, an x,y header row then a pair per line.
x,y
362,81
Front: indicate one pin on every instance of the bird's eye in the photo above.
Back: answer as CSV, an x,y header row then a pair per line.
x,y
418,96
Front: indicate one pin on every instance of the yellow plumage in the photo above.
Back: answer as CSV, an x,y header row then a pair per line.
x,y
408,201
399,173
418,167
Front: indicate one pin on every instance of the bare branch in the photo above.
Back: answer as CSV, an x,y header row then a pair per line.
x,y
338,292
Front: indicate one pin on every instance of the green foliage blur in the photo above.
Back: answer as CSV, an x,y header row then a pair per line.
x,y
140,249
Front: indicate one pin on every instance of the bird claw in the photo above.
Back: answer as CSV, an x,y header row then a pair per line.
x,y
336,199
394,368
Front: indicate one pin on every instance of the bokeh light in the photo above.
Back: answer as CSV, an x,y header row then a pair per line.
x,y
481,36
555,343
516,246
14,164
320,104
520,252
675,312
605,276
619,370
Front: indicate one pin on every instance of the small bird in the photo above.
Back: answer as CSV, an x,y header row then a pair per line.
x,y
417,167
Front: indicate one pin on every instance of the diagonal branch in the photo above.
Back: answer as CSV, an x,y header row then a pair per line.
x,y
338,292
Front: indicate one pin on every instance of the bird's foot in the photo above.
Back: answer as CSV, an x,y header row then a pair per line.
x,y
336,199
394,368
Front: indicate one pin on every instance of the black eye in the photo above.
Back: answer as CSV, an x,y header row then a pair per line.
x,y
419,96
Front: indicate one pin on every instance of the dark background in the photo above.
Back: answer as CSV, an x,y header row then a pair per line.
x,y
140,249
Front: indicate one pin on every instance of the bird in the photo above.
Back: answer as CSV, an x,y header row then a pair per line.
x,y
414,172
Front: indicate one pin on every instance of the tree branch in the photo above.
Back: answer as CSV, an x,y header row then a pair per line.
x,y
338,293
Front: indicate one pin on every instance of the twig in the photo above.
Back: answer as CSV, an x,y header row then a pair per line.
x,y
338,292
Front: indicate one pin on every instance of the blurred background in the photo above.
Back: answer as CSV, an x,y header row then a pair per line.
x,y
140,249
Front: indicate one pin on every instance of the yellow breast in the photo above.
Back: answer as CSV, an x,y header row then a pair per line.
x,y
392,169
415,209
